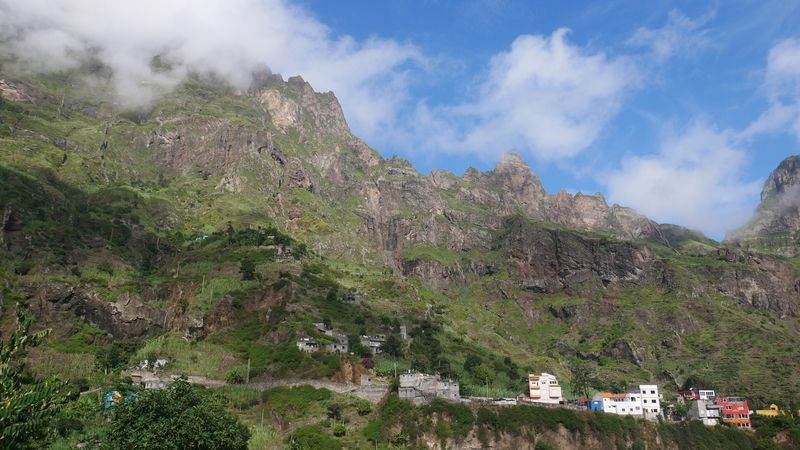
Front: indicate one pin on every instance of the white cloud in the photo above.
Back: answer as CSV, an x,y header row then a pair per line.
x,y
695,180
544,96
229,38
782,89
680,35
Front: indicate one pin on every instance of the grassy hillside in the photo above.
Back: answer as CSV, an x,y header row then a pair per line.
x,y
237,264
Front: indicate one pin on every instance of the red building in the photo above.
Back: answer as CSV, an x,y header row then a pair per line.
x,y
734,410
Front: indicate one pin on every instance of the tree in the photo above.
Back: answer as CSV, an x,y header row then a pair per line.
x,y
583,376
472,361
335,409
248,269
26,406
484,373
392,346
363,407
178,417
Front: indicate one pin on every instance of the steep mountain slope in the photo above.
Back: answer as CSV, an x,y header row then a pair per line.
x,y
105,213
776,221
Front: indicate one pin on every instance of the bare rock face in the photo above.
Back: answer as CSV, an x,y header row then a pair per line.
x,y
759,281
553,260
13,92
778,211
124,318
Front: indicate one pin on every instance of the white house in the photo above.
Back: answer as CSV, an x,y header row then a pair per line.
x,y
307,345
642,401
544,388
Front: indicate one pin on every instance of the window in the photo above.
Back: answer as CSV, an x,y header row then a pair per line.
x,y
652,392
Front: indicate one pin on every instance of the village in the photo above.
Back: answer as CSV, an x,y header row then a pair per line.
x,y
641,401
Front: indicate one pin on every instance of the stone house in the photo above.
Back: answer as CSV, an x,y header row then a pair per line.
x,y
421,388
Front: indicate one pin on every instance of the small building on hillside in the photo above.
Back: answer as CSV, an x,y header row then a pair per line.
x,y
705,410
734,410
544,388
307,345
641,401
374,342
698,394
774,411
421,388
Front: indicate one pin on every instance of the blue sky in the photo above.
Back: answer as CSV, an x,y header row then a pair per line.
x,y
678,109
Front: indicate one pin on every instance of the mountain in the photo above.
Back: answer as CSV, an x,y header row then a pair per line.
x,y
776,221
121,224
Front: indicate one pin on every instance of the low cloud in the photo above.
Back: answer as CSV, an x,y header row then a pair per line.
x,y
695,180
545,97
229,39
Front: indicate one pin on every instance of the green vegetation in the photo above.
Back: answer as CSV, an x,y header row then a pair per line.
x,y
178,417
26,404
226,264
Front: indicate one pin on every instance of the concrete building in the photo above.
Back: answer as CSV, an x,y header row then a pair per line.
x,y
374,342
421,388
650,399
307,345
544,388
774,411
641,401
705,410
341,346
735,410
698,394
702,405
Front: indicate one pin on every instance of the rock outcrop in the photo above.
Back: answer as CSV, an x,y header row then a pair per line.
x,y
778,212
124,318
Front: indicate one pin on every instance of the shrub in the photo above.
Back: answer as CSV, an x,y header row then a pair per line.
x,y
235,375
339,430
106,266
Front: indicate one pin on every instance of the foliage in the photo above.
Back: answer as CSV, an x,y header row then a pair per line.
x,y
236,375
106,266
392,346
583,376
248,269
176,418
282,399
313,437
26,405
339,430
363,407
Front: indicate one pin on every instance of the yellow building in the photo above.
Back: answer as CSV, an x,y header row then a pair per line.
x,y
774,411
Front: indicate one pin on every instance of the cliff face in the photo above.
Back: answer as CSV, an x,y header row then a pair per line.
x,y
289,137
491,254
778,212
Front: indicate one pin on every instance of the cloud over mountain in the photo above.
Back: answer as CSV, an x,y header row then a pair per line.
x,y
544,96
229,39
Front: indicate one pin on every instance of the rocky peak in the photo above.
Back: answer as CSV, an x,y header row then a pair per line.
x,y
778,211
783,181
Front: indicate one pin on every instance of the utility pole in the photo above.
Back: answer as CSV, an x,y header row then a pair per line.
x,y
248,376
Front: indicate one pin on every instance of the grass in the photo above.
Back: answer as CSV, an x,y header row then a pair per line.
x,y
201,358
265,439
388,366
49,362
